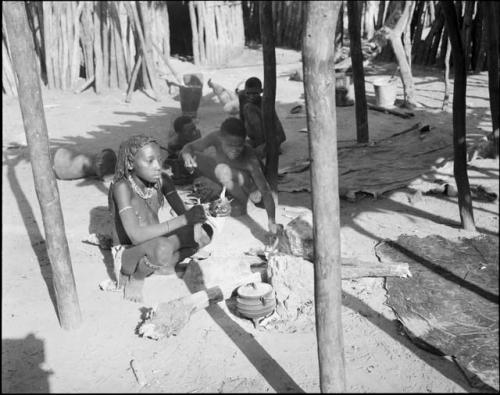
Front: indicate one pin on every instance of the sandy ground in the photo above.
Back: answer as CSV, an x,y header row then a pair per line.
x,y
216,351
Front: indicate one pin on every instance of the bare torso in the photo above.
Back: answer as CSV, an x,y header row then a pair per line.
x,y
145,210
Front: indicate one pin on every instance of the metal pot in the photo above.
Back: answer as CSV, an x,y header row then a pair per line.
x,y
255,300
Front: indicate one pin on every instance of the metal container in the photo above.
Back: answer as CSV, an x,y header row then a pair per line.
x,y
255,300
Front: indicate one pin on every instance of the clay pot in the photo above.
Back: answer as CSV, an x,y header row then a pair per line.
x,y
255,300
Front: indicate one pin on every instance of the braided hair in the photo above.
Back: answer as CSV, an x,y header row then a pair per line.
x,y
126,154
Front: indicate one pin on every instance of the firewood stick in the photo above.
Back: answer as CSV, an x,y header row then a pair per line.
x,y
86,85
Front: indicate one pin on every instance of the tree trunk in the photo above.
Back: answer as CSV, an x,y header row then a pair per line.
x,y
459,134
269,96
319,87
493,78
358,74
30,100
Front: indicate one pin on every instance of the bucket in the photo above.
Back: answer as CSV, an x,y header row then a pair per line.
x,y
190,100
385,92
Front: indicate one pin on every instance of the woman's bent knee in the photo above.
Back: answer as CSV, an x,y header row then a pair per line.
x,y
162,253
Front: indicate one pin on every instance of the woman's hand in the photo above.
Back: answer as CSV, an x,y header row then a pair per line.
x,y
195,215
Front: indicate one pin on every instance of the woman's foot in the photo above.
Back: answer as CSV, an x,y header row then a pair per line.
x,y
133,289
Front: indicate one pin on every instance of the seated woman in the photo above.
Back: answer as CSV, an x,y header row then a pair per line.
x,y
142,245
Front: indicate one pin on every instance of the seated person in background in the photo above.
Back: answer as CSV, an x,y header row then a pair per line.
x,y
142,244
251,114
234,166
185,132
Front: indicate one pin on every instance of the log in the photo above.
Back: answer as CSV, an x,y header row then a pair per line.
x,y
319,88
399,113
353,9
459,141
269,97
30,100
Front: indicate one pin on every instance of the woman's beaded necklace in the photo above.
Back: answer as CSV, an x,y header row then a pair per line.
x,y
143,195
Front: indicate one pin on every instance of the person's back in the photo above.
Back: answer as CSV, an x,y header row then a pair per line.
x,y
251,114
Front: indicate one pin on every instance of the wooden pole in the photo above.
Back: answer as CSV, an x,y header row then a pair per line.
x,y
269,96
30,100
319,86
492,23
446,98
133,78
144,49
459,140
194,30
358,74
98,60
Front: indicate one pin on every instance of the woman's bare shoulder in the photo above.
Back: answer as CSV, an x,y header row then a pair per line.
x,y
121,187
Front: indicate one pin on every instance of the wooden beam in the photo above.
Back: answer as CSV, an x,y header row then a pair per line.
x,y
30,100
319,86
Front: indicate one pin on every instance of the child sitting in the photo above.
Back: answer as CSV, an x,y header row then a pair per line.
x,y
251,114
185,132
142,244
235,166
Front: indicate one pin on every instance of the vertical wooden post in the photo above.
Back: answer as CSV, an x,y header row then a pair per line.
x,y
30,100
459,140
269,96
194,30
98,72
492,32
358,74
319,86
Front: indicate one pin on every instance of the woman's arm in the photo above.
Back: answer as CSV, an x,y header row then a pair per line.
x,y
138,233
170,193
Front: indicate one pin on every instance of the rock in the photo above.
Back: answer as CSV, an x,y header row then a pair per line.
x,y
293,281
297,237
